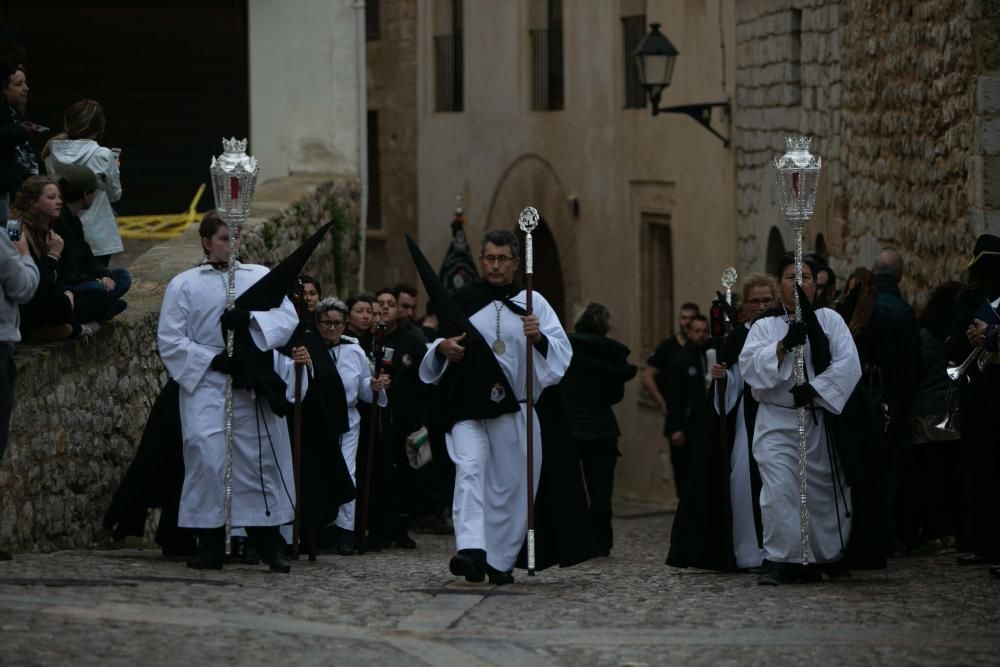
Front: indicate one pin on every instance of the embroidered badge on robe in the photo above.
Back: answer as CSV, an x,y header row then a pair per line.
x,y
497,393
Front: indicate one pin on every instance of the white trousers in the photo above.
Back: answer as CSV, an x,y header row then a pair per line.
x,y
748,553
490,510
776,449
349,448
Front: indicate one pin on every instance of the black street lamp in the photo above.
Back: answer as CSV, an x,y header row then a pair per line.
x,y
654,60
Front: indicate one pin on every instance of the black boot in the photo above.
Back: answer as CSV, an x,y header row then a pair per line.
x,y
401,529
211,549
469,563
271,547
498,577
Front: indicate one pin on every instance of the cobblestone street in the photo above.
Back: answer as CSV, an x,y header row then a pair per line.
x,y
130,606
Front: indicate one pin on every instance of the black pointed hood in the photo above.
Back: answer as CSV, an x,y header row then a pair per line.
x,y
270,290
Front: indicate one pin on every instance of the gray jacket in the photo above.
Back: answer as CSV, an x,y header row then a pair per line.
x,y
18,282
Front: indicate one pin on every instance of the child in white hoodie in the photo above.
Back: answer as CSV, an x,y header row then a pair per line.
x,y
84,125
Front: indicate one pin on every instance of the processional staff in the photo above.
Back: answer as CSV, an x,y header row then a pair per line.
x,y
797,175
234,178
527,221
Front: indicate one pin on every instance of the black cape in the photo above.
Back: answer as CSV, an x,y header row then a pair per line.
x,y
702,532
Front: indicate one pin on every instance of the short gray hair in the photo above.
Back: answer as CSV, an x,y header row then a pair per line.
x,y
501,238
889,263
328,304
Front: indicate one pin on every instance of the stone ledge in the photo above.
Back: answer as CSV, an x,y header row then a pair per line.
x,y
81,405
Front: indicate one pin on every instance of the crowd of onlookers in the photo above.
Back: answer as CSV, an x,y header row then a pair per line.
x,y
56,192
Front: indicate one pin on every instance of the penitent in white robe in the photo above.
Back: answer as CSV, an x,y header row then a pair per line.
x,y
776,440
352,364
490,508
745,547
189,337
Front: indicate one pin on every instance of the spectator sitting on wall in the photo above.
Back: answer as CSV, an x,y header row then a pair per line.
x,y
54,313
84,125
78,268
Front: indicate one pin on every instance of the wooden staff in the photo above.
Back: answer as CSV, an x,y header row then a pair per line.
x,y
373,427
528,220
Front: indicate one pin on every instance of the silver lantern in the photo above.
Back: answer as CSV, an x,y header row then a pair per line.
x,y
234,179
797,177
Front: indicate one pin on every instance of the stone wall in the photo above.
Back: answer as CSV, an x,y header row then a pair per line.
x,y
788,81
889,91
81,405
908,127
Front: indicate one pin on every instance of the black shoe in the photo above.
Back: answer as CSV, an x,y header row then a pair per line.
x,y
5,556
770,574
834,571
278,562
971,559
344,540
404,541
469,563
249,555
436,524
211,549
375,543
498,577
206,560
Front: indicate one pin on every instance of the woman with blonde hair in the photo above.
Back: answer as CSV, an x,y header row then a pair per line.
x,y
78,144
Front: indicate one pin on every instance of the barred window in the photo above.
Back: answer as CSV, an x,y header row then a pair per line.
x,y
547,72
656,281
372,26
449,68
633,30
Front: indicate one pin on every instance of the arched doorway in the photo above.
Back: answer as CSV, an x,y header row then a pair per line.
x,y
532,181
775,250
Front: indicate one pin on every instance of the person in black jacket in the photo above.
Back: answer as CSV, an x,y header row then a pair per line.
x,y
593,383
687,382
54,312
78,268
17,159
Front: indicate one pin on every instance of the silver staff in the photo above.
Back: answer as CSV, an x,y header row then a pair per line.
x,y
234,178
797,175
527,221
729,278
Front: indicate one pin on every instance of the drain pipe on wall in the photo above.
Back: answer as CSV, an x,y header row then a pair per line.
x,y
362,65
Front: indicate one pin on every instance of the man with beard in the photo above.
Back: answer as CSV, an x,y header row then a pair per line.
x,y
685,384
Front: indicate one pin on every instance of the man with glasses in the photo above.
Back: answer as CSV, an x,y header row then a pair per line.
x,y
486,414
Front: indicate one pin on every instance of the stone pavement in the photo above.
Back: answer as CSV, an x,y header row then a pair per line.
x,y
131,607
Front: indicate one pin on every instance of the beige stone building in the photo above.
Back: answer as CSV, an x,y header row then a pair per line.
x,y
535,102
639,211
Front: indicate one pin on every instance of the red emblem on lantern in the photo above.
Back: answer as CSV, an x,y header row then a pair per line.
x,y
234,188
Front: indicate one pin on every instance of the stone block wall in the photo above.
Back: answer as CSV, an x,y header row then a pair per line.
x,y
788,81
908,127
81,405
900,99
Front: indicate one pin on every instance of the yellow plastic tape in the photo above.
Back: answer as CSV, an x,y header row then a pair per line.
x,y
164,226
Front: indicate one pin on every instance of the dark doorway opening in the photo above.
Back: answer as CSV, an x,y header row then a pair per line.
x,y
172,77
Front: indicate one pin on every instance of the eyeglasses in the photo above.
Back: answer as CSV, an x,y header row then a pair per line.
x,y
760,302
496,259
330,324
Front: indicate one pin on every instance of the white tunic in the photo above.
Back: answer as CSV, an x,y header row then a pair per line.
x,y
776,441
490,505
190,336
352,364
745,548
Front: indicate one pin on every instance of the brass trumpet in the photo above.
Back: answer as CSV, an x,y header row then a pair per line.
x,y
979,356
